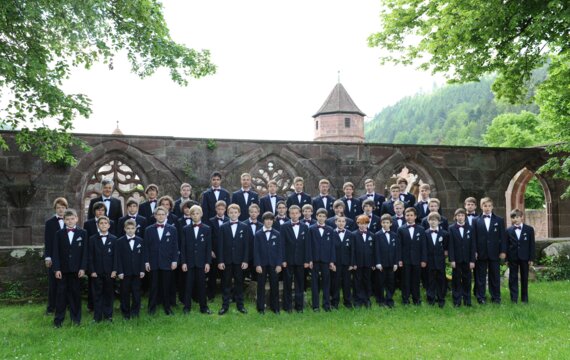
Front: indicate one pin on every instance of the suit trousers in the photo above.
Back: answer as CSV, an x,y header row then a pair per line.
x,y
68,295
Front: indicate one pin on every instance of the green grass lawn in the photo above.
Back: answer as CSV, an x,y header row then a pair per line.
x,y
536,331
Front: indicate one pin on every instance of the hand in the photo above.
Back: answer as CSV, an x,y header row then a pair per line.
x,y
332,267
258,269
221,266
350,268
453,264
147,267
93,275
48,263
445,253
423,264
284,264
379,267
530,263
122,276
502,256
306,265
278,269
400,264
476,256
113,275
81,274
471,265
184,267
395,267
355,267
58,274
173,266
207,268
213,255
310,265
142,274
244,265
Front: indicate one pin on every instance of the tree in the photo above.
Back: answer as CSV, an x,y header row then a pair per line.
x,y
466,39
42,40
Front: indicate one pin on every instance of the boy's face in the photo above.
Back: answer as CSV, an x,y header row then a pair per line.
x,y
369,187
272,188
386,224
253,213
216,181
321,218
294,214
395,193
517,220
340,222
268,223
339,210
282,209
433,223
348,191
220,210
433,207
470,207
186,211
160,216
130,230
307,213
324,188
165,204
410,217
299,186
185,192
424,193
70,221
402,186
103,226
107,190
133,209
152,193
60,209
233,214
487,207
196,216
245,182
363,227
100,212
399,209
460,218
367,209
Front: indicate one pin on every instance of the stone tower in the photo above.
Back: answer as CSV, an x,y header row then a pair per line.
x,y
339,119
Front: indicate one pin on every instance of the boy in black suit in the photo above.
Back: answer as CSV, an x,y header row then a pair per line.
x,y
388,205
437,243
281,217
373,219
196,256
307,211
91,226
53,225
167,202
352,205
407,198
491,249
100,264
245,196
462,258
388,255
69,259
520,255
324,200
147,208
269,201
129,266
470,204
233,258
132,213
422,206
215,223
338,207
297,254
268,259
342,277
412,238
323,259
214,194
185,194
113,207
364,261
398,219
255,226
299,198
161,258
434,206
371,194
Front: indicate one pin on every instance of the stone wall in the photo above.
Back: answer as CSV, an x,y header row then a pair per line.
x,y
538,220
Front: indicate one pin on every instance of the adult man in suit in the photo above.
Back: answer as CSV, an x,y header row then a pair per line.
x,y
269,201
245,196
214,194
52,225
161,258
114,209
324,200
371,194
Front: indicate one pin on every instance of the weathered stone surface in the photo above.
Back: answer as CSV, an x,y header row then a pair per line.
x,y
557,249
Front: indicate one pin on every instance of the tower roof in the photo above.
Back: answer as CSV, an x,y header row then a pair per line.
x,y
339,101
117,131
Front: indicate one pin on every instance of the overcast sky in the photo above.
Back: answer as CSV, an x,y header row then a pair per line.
x,y
277,63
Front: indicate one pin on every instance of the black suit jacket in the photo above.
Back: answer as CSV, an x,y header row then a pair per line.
x,y
378,201
238,198
101,258
294,200
279,222
388,207
395,224
296,250
355,208
129,262
209,201
461,249
364,251
443,223
160,253
389,253
234,249
420,212
493,242
141,225
145,209
267,252
115,210
214,224
70,258
323,248
374,225
265,204
522,249
408,199
196,251
413,248
177,204
350,224
258,226
436,252
318,203
51,227
344,248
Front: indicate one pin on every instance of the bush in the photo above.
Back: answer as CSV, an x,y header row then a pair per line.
x,y
556,268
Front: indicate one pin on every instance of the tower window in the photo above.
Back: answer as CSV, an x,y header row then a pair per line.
x,y
346,122
317,125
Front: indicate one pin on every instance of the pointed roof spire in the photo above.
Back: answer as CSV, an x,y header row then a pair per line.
x,y
339,101
117,131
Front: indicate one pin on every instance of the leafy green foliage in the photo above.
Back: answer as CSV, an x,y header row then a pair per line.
x,y
41,41
556,268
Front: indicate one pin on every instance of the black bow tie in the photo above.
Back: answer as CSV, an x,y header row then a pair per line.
x,y
133,217
106,199
364,232
187,218
70,230
341,231
59,218
518,227
159,225
220,218
370,195
272,196
152,201
216,189
234,222
246,192
349,198
321,226
460,226
472,214
433,231
295,224
487,216
386,232
411,226
267,231
131,239
197,225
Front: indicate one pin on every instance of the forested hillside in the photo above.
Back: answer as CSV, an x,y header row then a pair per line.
x,y
450,115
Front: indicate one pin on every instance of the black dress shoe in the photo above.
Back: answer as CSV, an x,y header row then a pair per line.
x,y
261,312
316,309
206,311
57,325
327,309
222,311
276,312
299,311
242,310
